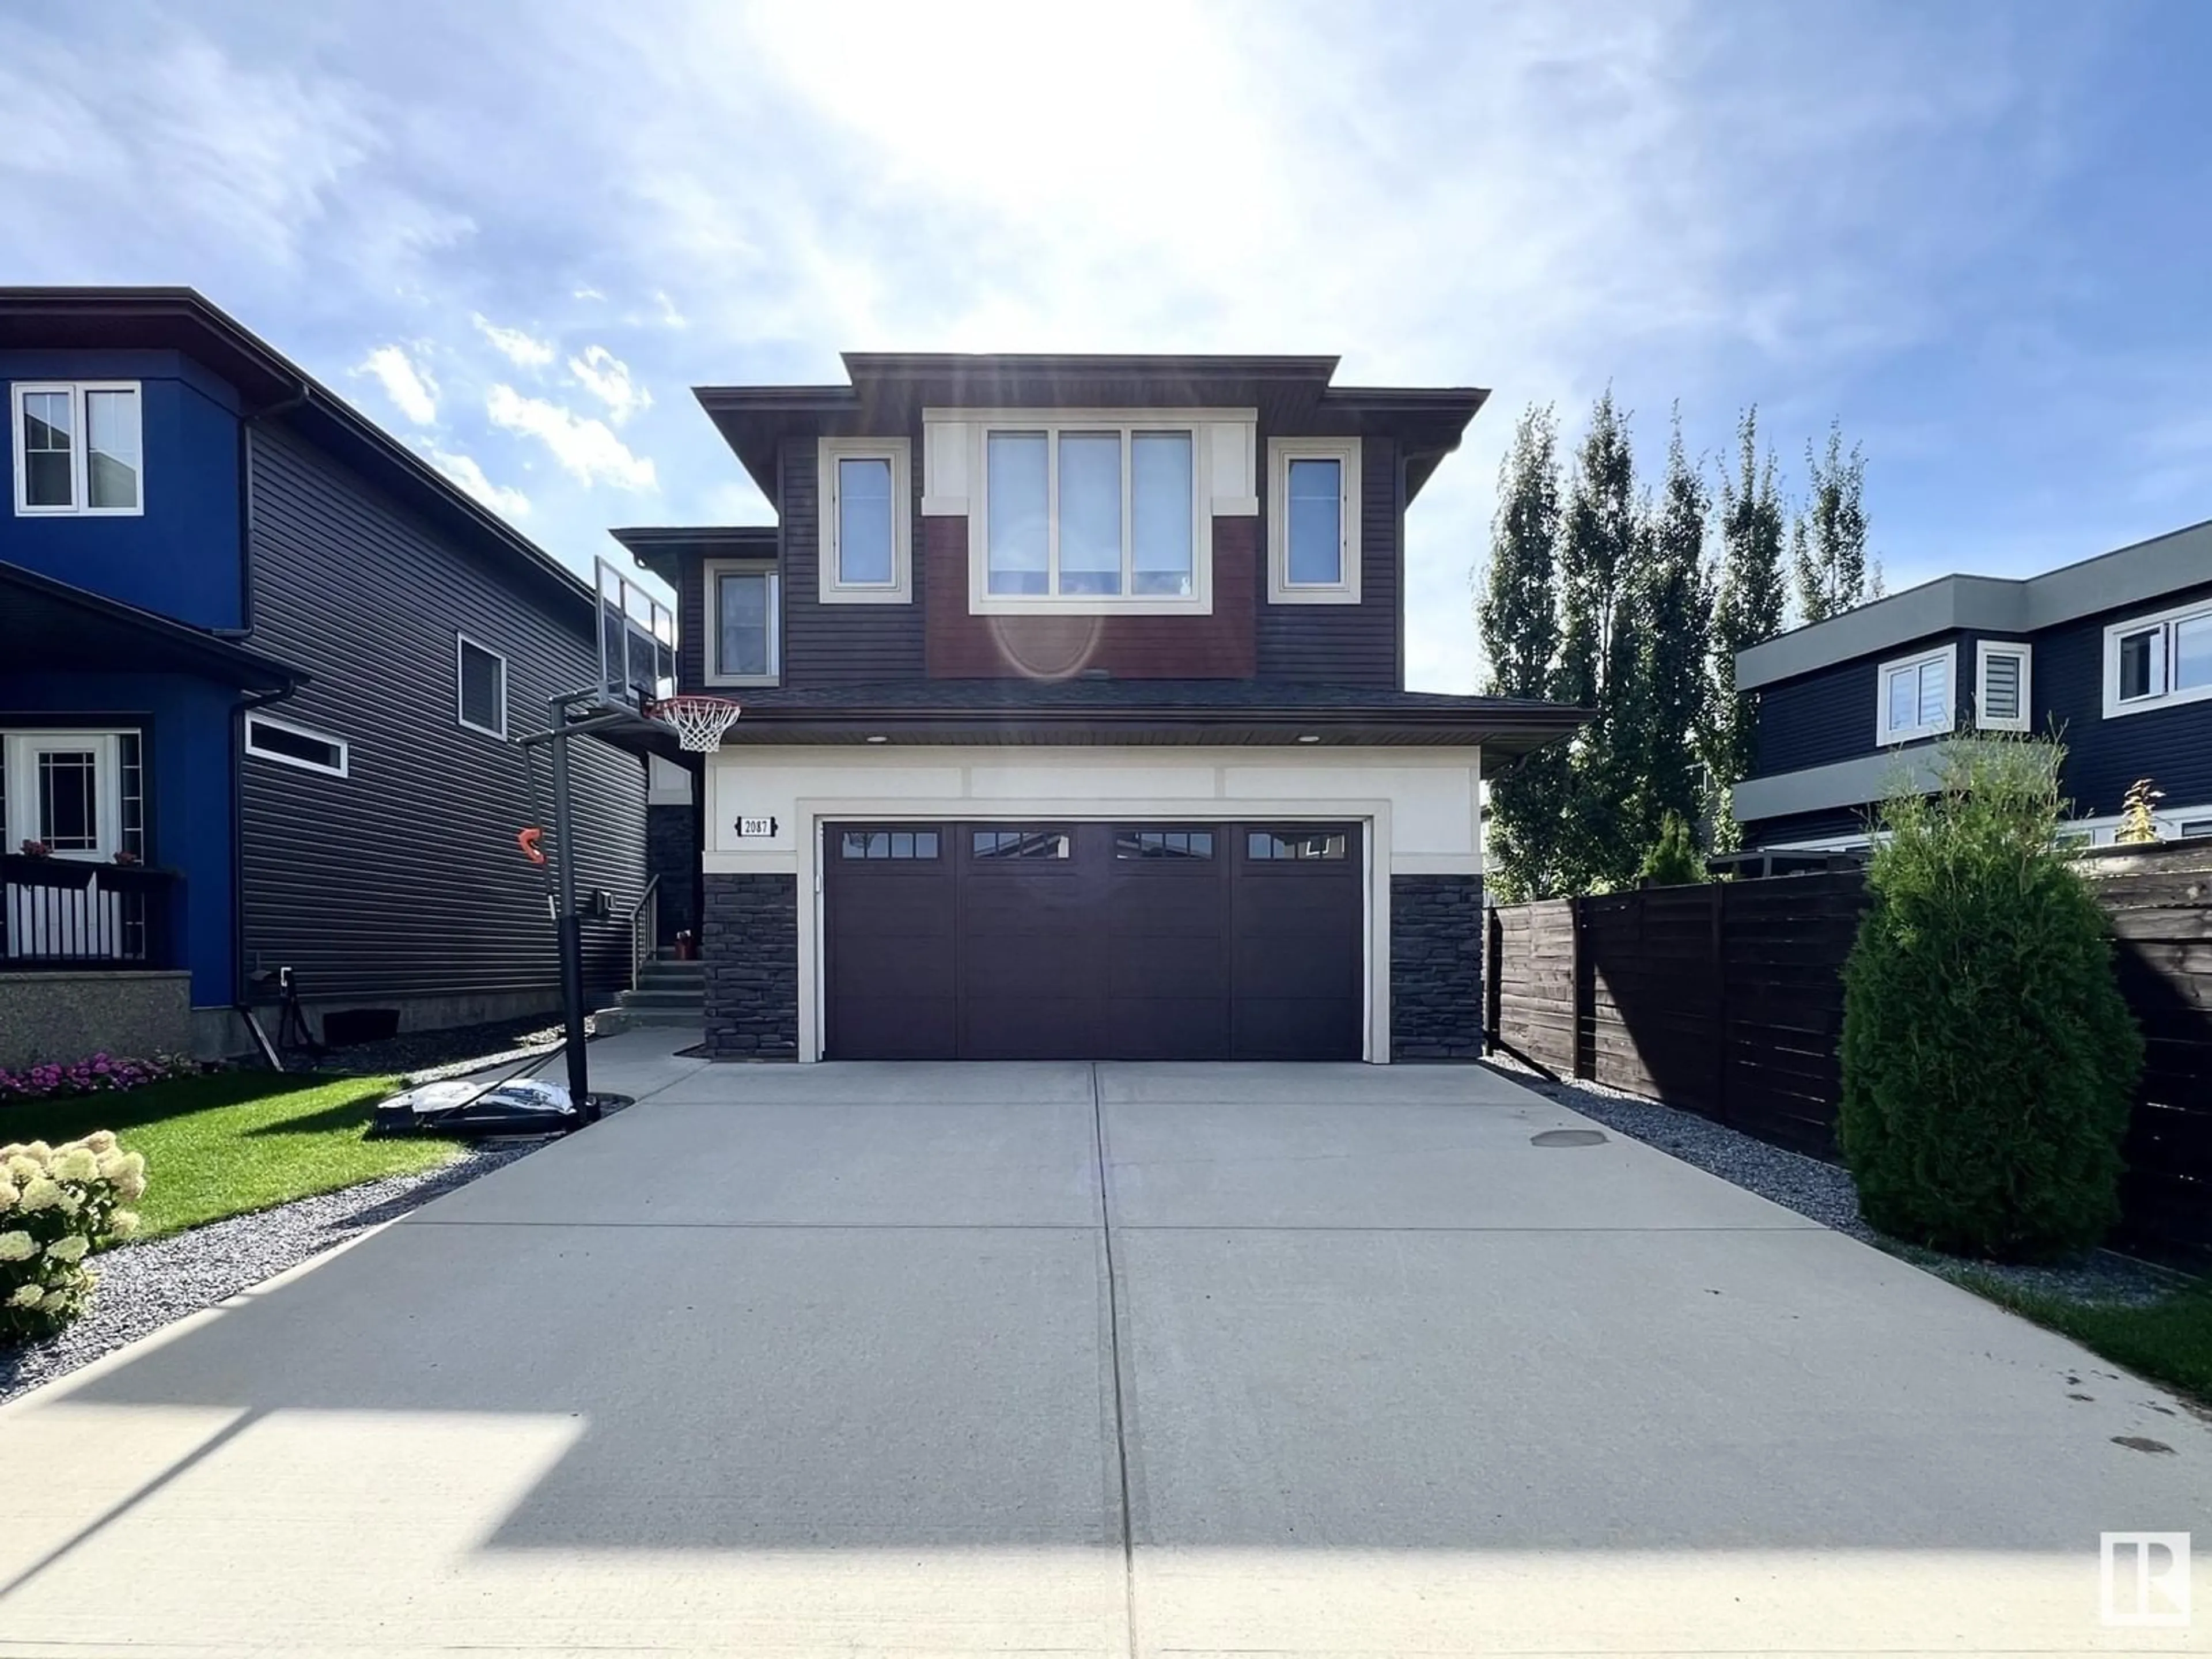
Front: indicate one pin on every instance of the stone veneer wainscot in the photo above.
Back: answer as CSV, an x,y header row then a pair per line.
x,y
751,952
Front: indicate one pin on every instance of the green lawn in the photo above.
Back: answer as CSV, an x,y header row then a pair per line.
x,y
2169,1342
228,1142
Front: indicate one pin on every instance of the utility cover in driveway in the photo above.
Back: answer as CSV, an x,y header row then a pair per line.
x,y
1093,941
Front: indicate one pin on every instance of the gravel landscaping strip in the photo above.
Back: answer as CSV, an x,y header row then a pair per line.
x,y
145,1286
1824,1192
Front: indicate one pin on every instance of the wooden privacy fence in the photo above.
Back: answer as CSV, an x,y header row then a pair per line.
x,y
1727,1001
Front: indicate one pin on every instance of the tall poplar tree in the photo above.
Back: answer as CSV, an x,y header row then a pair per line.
x,y
1747,607
1664,706
1601,534
1828,542
1517,617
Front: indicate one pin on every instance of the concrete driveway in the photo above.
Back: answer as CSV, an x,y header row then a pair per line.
x,y
1075,1359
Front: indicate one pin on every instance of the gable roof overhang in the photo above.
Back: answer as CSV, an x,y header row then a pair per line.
x,y
181,320
48,626
888,391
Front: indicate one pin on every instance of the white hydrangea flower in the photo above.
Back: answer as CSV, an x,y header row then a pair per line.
x,y
39,1153
22,1166
76,1164
18,1246
55,1301
109,1164
71,1247
100,1141
42,1194
123,1223
131,1180
69,1203
26,1296
7,1195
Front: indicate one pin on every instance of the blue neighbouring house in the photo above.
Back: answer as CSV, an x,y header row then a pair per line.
x,y
2113,655
260,669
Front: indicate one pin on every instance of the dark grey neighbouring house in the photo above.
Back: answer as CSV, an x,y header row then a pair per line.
x,y
2113,654
260,669
1075,721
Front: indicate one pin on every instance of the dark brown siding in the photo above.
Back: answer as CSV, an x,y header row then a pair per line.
x,y
1218,647
1345,644
840,644
402,880
691,626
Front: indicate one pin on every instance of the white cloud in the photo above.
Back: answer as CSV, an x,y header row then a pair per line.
x,y
523,349
587,449
464,470
606,377
406,382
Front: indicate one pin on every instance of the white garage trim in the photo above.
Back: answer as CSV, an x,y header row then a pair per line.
x,y
1417,810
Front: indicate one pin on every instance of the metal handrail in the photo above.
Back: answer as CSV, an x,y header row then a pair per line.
x,y
644,928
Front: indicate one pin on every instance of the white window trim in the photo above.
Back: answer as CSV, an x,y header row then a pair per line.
x,y
2166,698
715,569
981,424
900,589
344,769
1886,738
461,643
80,450
19,751
1282,590
1985,649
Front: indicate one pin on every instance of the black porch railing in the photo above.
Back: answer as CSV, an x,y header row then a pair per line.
x,y
71,912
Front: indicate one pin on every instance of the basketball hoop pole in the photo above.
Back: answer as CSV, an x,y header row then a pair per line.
x,y
567,925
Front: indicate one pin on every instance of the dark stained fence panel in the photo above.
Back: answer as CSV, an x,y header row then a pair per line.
x,y
1727,1001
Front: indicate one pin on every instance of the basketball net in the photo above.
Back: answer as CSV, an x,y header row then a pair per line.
x,y
698,722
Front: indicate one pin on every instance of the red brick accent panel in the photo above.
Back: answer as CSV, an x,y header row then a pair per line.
x,y
962,647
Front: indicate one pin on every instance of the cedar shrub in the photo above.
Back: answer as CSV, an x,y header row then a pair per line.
x,y
1987,1058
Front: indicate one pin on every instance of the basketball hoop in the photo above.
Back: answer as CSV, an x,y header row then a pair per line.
x,y
699,722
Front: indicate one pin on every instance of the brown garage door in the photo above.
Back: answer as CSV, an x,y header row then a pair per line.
x,y
1093,941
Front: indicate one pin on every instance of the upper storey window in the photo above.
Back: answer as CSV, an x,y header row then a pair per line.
x,y
1313,521
867,555
1915,696
2157,662
78,447
1085,514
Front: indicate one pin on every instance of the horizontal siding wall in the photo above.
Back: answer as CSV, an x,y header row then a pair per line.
x,y
840,644
403,880
1342,644
2104,757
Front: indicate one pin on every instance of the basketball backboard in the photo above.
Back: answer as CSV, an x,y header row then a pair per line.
x,y
637,641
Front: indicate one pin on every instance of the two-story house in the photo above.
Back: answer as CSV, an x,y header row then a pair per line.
x,y
2113,655
1074,721
260,669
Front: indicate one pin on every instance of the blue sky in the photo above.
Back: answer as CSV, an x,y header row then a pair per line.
x,y
518,232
